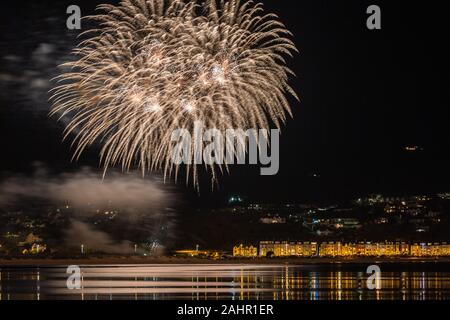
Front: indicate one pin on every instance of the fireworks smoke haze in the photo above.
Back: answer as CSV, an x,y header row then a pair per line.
x,y
155,66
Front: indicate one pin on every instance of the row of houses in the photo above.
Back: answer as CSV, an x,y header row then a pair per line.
x,y
339,249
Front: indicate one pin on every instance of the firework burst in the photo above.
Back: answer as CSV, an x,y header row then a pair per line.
x,y
153,66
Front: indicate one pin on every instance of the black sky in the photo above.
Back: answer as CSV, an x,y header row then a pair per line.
x,y
364,96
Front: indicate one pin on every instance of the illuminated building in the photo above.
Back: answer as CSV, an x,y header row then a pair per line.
x,y
333,249
413,148
338,249
287,249
345,223
245,251
430,249
214,254
273,220
35,249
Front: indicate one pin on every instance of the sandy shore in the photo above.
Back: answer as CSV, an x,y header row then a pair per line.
x,y
173,260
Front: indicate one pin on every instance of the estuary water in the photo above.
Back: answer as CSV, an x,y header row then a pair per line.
x,y
407,281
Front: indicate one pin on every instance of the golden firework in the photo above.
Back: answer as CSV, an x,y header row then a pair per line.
x,y
153,66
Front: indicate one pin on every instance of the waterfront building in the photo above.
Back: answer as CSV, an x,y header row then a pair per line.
x,y
287,249
339,249
245,251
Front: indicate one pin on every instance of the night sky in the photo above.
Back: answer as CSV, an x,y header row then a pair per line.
x,y
365,95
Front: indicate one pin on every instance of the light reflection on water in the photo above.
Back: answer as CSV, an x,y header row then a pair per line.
x,y
236,282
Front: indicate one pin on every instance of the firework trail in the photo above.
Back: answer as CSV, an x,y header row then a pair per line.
x,y
153,66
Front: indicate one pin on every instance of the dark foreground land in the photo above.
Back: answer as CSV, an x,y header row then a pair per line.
x,y
175,260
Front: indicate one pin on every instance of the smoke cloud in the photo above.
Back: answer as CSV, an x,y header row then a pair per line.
x,y
142,206
85,189
95,240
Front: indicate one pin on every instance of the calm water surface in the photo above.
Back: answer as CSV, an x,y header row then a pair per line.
x,y
409,281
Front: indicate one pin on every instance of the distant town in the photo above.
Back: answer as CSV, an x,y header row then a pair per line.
x,y
375,225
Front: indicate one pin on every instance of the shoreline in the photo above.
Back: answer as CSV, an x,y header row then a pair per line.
x,y
181,261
